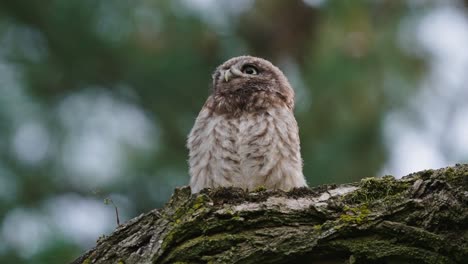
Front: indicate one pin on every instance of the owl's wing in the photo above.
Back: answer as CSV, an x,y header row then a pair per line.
x,y
213,158
270,151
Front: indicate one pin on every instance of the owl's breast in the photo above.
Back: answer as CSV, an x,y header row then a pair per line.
x,y
255,145
243,146
246,151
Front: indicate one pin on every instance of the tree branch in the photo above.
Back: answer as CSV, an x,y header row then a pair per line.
x,y
421,218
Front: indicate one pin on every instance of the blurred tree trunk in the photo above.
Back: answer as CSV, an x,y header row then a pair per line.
x,y
421,218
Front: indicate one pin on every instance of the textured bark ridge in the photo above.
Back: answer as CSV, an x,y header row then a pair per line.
x,y
421,218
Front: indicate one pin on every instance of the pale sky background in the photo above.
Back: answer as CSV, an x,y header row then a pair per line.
x,y
440,136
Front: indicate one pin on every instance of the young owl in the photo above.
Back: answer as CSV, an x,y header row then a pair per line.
x,y
246,134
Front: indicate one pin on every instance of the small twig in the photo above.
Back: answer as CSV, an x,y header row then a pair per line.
x,y
108,200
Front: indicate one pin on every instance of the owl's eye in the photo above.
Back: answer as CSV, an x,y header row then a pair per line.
x,y
249,69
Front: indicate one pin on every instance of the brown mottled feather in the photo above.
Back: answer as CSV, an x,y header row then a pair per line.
x,y
246,134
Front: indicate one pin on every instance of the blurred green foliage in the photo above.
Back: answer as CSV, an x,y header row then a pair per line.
x,y
156,58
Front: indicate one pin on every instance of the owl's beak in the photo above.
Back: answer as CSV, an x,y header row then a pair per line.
x,y
227,75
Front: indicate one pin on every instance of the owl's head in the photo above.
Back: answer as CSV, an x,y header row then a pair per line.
x,y
243,79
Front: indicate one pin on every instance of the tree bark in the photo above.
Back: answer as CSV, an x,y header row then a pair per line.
x,y
421,218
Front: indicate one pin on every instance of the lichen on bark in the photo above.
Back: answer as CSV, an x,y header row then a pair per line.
x,y
421,218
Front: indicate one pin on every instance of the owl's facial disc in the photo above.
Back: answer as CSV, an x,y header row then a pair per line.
x,y
230,73
241,80
250,69
239,70
227,75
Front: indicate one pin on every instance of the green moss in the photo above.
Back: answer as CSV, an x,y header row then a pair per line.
x,y
237,218
196,204
167,240
193,248
183,220
355,215
338,226
199,201
457,176
317,227
86,261
450,174
260,188
425,174
379,251
120,261
229,211
372,189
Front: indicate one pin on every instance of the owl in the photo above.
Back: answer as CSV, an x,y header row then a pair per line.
x,y
246,134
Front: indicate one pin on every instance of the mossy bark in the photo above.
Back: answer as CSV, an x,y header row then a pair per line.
x,y
421,218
